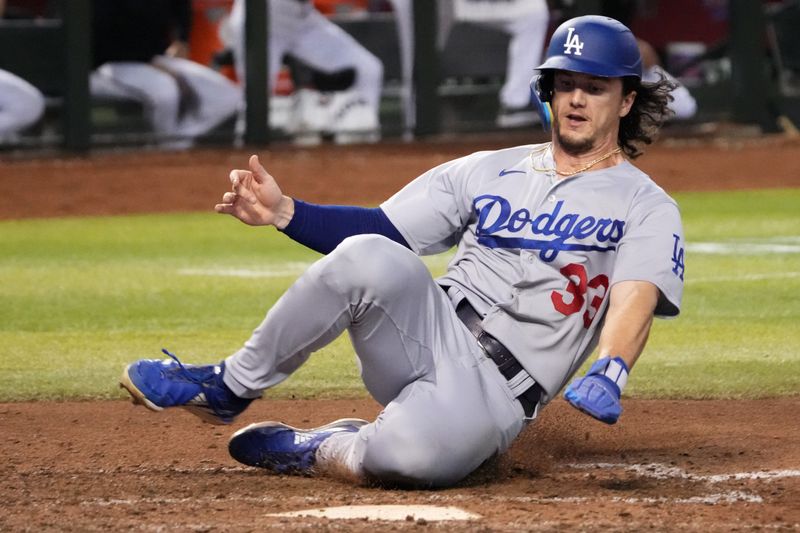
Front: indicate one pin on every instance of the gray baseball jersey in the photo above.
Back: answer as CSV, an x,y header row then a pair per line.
x,y
537,255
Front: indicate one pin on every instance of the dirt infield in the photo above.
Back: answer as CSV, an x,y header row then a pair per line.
x,y
113,184
668,465
705,465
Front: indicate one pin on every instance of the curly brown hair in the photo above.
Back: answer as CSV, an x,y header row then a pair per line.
x,y
648,113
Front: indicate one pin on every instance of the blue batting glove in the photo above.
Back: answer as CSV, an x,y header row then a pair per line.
x,y
598,393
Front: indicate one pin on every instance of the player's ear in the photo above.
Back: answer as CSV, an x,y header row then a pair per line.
x,y
627,103
629,85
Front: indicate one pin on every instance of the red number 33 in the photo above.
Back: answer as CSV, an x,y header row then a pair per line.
x,y
577,286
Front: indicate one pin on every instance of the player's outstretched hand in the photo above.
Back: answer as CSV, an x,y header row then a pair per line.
x,y
255,198
597,393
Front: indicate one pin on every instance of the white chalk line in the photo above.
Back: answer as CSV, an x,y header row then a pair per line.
x,y
133,502
722,497
143,470
742,248
283,270
280,270
779,245
662,471
712,499
650,470
774,474
287,270
744,277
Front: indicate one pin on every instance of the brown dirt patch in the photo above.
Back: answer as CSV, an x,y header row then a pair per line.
x,y
668,465
137,182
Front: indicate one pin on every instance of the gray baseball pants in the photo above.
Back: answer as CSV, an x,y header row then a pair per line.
x,y
447,407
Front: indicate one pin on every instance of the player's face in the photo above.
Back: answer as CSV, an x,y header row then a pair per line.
x,y
587,110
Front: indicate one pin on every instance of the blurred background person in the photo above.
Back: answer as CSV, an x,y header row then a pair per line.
x,y
140,50
21,104
526,22
298,30
683,105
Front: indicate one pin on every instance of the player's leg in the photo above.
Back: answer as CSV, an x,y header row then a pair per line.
x,y
231,34
683,104
283,21
212,97
436,432
358,282
155,89
375,287
21,104
415,355
325,46
524,55
457,400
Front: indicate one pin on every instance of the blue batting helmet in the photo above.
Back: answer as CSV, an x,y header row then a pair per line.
x,y
592,44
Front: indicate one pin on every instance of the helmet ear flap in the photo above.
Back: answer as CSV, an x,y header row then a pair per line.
x,y
541,94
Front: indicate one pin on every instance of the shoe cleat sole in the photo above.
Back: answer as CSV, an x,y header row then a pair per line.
x,y
137,396
357,422
206,415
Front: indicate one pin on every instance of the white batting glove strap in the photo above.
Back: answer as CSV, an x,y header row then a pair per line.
x,y
616,372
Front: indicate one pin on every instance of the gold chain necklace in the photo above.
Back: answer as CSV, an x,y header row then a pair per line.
x,y
582,169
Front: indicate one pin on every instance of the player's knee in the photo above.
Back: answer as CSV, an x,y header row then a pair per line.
x,y
230,100
164,93
31,111
373,69
406,459
373,263
37,107
369,71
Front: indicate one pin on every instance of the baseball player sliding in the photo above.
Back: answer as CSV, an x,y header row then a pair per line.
x,y
562,248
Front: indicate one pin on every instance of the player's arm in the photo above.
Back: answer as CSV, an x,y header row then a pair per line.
x,y
256,199
628,320
622,340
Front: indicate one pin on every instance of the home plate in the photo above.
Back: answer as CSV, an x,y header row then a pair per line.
x,y
429,513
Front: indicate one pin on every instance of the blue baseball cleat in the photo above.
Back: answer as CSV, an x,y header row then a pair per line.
x,y
158,384
284,449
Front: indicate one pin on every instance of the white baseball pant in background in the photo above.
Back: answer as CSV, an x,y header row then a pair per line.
x,y
298,30
182,99
21,104
526,22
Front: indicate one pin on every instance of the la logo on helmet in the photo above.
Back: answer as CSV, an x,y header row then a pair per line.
x,y
573,43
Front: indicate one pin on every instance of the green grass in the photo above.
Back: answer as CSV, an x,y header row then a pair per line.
x,y
82,297
738,333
